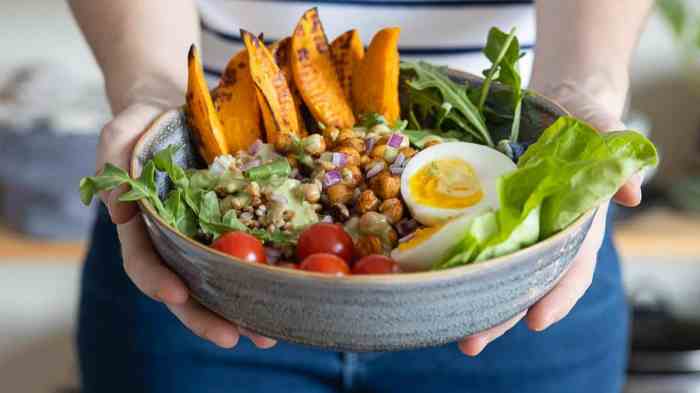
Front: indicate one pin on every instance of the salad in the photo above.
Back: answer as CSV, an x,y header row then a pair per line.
x,y
333,158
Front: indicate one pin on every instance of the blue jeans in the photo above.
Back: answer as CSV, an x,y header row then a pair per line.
x,y
129,343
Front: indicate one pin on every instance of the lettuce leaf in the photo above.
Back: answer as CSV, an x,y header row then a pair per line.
x,y
569,170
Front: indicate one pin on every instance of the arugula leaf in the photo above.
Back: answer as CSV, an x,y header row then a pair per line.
x,y
164,162
369,120
431,77
503,50
184,218
569,170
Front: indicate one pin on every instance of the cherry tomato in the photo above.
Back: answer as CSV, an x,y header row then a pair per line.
x,y
375,264
288,265
242,246
325,238
325,263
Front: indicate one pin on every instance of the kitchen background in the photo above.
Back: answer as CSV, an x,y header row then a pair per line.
x,y
50,96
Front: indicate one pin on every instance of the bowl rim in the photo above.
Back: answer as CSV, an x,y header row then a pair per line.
x,y
494,264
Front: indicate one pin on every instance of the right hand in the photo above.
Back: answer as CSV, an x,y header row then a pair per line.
x,y
141,262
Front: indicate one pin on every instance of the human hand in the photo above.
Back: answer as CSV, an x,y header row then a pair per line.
x,y
141,262
556,304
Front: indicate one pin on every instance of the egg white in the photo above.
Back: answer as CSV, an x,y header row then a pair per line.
x,y
433,249
488,164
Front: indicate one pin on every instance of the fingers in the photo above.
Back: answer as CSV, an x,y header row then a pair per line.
x,y
630,194
144,267
474,344
259,341
205,324
561,299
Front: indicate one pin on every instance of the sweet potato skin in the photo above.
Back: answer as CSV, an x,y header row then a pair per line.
x,y
202,118
376,85
315,73
273,88
236,103
280,52
348,51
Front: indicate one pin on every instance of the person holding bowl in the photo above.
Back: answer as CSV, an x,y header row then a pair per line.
x,y
129,336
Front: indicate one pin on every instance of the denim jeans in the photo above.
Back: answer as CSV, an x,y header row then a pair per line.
x,y
129,343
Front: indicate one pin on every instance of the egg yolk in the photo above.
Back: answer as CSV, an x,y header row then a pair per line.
x,y
419,236
448,183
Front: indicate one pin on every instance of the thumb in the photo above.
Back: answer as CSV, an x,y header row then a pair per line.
x,y
116,144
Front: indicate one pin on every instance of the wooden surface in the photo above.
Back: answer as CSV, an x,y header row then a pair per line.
x,y
656,232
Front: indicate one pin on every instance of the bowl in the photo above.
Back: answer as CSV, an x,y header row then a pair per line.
x,y
359,313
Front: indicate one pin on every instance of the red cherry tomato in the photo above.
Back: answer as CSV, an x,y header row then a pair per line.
x,y
375,264
325,238
242,246
325,263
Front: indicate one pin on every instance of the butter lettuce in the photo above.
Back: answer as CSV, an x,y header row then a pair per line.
x,y
569,170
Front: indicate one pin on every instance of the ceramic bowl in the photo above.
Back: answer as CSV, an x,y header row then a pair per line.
x,y
360,313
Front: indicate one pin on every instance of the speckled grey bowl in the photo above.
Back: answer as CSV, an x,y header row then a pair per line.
x,y
360,313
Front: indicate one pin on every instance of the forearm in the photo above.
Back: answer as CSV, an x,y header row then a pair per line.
x,y
589,44
141,46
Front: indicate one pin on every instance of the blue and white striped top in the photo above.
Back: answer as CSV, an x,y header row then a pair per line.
x,y
450,32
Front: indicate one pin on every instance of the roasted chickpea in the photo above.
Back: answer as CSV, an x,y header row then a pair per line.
x,y
339,193
368,202
378,150
330,134
352,176
311,191
293,162
368,245
385,185
356,143
345,134
314,144
392,208
352,155
408,152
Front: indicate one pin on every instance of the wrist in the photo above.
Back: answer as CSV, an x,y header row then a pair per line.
x,y
606,86
158,89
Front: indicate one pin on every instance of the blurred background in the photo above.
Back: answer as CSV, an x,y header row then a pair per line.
x,y
52,106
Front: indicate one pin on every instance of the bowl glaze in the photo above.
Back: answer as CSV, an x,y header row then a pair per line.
x,y
359,313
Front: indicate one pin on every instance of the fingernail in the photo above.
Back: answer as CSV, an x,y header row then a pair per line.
x,y
477,345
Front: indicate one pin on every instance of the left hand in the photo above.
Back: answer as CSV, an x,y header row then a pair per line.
x,y
561,299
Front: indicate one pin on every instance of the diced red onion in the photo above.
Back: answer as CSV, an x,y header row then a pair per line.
x,y
255,147
375,169
406,226
395,140
407,237
339,159
370,142
396,170
327,219
331,178
272,254
399,160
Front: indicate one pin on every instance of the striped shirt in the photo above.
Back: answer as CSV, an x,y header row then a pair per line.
x,y
449,32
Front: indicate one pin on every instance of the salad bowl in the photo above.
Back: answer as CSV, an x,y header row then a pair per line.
x,y
359,313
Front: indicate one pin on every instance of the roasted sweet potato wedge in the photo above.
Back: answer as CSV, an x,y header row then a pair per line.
x,y
273,87
347,52
375,87
236,102
202,118
280,52
315,73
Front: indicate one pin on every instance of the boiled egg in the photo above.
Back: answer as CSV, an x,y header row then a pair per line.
x,y
453,179
430,244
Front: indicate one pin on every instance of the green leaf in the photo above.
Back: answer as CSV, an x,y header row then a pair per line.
x,y
111,177
279,168
164,162
183,218
428,76
571,169
675,14
369,120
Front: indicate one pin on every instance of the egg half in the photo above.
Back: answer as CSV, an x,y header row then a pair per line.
x,y
430,244
453,179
